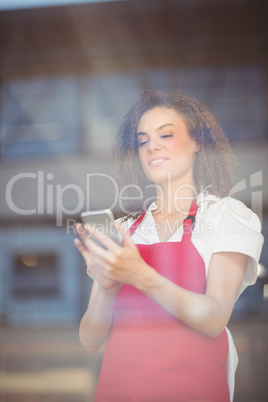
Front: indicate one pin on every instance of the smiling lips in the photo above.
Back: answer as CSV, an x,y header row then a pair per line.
x,y
157,161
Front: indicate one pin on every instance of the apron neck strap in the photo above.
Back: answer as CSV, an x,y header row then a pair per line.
x,y
135,225
189,222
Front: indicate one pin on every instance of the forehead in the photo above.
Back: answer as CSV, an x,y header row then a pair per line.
x,y
159,116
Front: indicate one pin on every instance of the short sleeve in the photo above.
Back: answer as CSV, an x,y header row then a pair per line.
x,y
239,230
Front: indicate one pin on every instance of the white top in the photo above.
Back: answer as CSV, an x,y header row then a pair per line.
x,y
221,225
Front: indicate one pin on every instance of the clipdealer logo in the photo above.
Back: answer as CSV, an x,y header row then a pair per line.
x,y
51,197
254,187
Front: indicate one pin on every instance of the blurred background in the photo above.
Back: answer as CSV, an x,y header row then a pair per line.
x,y
69,72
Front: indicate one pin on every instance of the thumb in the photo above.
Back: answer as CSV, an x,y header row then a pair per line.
x,y
126,238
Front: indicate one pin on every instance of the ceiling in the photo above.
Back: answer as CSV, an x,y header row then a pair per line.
x,y
20,4
128,35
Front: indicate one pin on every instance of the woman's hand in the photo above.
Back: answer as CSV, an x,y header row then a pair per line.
x,y
117,264
114,265
93,270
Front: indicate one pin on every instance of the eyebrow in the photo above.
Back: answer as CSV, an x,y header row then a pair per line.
x,y
158,129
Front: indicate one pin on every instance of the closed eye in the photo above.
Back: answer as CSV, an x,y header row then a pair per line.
x,y
142,143
142,139
166,135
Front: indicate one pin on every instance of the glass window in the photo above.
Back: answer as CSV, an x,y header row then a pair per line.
x,y
35,275
39,117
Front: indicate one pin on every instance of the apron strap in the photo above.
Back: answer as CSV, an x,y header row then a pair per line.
x,y
189,222
135,225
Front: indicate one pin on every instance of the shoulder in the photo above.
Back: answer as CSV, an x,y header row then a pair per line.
x,y
233,228
229,211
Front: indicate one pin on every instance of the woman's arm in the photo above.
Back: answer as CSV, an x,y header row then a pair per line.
x,y
97,320
208,313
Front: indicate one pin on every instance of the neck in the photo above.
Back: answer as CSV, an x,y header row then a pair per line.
x,y
175,197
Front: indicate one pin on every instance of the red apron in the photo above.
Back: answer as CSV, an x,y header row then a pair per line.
x,y
150,355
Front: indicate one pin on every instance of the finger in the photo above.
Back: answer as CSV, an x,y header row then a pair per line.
x,y
93,264
90,272
82,231
126,238
109,243
101,266
90,232
99,254
85,232
84,251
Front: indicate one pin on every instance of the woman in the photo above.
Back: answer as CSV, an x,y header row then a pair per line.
x,y
164,297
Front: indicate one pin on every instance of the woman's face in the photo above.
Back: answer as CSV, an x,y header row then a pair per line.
x,y
164,145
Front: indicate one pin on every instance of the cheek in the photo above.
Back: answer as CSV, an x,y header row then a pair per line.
x,y
185,146
141,155
177,146
182,151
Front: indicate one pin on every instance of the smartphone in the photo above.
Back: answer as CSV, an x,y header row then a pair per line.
x,y
103,221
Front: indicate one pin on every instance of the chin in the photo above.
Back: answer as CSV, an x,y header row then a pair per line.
x,y
158,178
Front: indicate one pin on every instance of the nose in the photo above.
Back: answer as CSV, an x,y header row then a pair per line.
x,y
153,144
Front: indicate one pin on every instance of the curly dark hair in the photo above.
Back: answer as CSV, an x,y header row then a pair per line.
x,y
214,160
